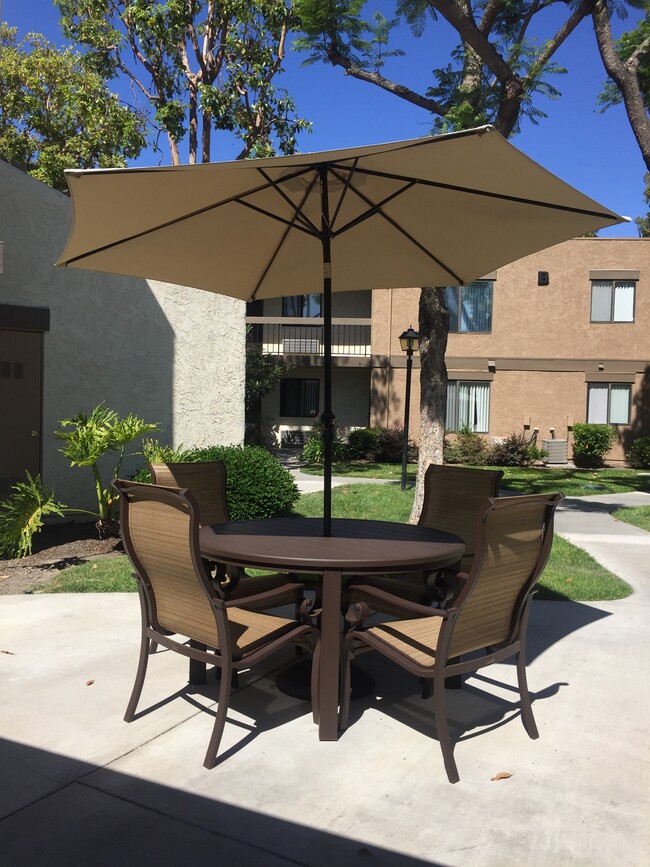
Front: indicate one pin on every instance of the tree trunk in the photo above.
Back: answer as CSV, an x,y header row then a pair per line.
x,y
624,76
433,325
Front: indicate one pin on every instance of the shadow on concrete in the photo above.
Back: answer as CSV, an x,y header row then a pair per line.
x,y
97,816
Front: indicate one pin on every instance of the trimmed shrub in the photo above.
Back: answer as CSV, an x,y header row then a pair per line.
x,y
591,442
515,451
362,443
639,454
390,445
468,448
258,486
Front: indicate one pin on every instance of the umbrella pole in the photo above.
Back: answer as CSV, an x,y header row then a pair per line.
x,y
327,417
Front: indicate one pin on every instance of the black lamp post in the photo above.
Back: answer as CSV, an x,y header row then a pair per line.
x,y
408,341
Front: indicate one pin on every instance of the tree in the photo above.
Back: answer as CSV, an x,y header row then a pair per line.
x,y
56,114
263,373
627,62
199,66
494,75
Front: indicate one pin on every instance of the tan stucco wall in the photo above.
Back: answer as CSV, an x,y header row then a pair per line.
x,y
542,343
167,353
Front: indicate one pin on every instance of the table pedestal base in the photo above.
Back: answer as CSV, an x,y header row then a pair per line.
x,y
295,680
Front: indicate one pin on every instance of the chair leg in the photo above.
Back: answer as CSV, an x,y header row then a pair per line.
x,y
153,646
315,685
139,678
526,707
219,723
427,687
346,688
442,726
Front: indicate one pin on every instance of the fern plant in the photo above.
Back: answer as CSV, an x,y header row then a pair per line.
x,y
21,515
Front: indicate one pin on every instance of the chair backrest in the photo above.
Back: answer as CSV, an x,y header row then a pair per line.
x,y
160,532
452,498
512,542
206,481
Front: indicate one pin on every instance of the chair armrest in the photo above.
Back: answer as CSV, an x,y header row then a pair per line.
x,y
267,596
414,608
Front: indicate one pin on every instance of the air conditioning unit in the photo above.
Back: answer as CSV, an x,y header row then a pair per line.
x,y
301,345
558,451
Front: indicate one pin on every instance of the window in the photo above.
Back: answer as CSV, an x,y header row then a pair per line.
x,y
608,403
468,405
612,300
470,307
299,397
304,306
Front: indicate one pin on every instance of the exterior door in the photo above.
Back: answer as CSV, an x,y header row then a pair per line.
x,y
21,372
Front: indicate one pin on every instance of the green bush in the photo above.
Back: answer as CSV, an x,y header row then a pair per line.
x,y
591,442
639,454
515,451
21,515
313,450
390,446
468,448
258,486
362,443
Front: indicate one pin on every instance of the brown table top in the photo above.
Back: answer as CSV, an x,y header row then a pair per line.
x,y
354,547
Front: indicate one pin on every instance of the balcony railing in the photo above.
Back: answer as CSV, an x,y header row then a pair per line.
x,y
295,336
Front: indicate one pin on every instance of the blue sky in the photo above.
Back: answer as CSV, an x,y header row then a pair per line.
x,y
596,153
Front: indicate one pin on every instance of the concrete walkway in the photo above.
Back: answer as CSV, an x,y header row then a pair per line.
x,y
80,787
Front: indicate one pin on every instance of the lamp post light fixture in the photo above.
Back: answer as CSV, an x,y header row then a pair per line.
x,y
408,340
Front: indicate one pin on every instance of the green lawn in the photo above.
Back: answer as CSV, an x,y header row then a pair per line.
x,y
638,515
532,480
571,573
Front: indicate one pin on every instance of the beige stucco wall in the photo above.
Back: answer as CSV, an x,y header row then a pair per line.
x,y
167,353
542,344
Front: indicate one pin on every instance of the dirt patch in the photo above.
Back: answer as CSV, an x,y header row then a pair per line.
x,y
56,547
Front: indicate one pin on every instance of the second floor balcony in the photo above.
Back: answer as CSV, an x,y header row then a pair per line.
x,y
289,335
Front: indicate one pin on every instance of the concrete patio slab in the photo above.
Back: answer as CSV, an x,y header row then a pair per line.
x,y
82,787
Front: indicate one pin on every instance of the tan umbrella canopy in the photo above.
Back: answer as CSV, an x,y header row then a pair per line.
x,y
433,211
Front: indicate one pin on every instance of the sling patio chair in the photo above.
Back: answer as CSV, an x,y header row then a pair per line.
x,y
512,544
160,533
452,496
207,482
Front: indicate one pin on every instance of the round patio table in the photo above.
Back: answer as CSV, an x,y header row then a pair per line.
x,y
355,547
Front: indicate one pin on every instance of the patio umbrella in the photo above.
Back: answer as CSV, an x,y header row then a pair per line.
x,y
433,211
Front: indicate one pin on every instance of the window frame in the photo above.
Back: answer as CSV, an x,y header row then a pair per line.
x,y
304,304
455,384
609,385
612,302
459,303
303,380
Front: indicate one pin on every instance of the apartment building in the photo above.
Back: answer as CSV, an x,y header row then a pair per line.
x,y
558,337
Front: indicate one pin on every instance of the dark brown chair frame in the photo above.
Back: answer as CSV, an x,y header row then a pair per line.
x,y
447,655
225,655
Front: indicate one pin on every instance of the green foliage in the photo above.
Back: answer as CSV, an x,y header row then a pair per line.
x,y
517,450
57,113
21,515
91,437
468,448
639,454
199,66
258,486
591,442
313,450
362,443
625,47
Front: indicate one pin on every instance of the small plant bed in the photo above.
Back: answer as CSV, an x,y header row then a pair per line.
x,y
639,516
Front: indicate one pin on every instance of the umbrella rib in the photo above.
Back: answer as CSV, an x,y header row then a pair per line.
x,y
485,193
346,187
291,224
376,209
304,219
197,213
284,238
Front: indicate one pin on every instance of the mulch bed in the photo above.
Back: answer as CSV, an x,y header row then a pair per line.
x,y
56,547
